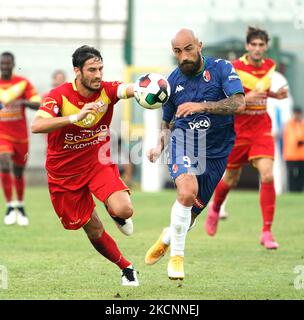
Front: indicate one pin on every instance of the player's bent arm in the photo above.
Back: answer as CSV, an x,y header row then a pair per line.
x,y
255,97
46,125
231,105
41,124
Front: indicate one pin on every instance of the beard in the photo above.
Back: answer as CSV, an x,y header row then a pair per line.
x,y
86,83
190,68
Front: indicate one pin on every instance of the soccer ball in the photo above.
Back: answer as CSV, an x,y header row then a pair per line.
x,y
152,90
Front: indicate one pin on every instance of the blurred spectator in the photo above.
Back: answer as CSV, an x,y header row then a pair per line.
x,y
16,94
58,78
293,150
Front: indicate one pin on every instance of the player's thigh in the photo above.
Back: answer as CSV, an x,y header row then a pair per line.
x,y
105,181
265,168
119,203
20,155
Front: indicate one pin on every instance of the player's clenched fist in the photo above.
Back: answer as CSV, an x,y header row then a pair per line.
x,y
91,108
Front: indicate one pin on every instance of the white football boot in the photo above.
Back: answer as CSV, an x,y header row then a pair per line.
x,y
10,216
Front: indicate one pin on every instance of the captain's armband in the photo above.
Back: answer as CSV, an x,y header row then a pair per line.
x,y
122,91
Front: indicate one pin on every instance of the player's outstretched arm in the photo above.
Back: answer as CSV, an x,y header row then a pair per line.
x,y
49,124
154,153
125,90
230,105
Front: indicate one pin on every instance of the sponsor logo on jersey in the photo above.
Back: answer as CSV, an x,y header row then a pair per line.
x,y
179,88
85,138
56,109
204,123
233,69
174,168
206,76
49,103
233,77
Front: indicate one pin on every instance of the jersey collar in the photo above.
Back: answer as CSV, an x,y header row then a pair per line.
x,y
74,85
244,59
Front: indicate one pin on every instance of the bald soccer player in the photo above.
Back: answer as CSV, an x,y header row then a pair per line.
x,y
206,92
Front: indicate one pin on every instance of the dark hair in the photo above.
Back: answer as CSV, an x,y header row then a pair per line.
x,y
84,53
8,54
253,33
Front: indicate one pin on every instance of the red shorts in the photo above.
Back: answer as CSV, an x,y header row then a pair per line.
x,y
245,150
19,151
72,197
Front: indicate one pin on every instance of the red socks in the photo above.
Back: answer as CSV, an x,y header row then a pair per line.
x,y
267,202
220,194
7,185
106,246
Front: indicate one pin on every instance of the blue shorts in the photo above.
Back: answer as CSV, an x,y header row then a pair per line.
x,y
207,181
187,153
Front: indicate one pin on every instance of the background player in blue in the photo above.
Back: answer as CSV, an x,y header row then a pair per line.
x,y
205,94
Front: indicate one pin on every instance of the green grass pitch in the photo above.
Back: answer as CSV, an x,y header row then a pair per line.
x,y
44,261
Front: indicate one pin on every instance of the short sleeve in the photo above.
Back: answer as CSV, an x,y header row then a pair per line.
x,y
30,93
231,81
169,110
50,105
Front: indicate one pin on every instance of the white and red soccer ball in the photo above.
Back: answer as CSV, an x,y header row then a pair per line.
x,y
152,90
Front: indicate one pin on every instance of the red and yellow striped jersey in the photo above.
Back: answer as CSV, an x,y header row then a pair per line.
x,y
73,147
255,118
12,117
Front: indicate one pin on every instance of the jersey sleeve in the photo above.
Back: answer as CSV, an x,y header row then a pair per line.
x,y
231,81
50,105
111,90
168,110
30,93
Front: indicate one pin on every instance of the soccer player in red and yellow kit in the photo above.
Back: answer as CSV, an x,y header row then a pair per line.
x,y
77,117
254,142
16,93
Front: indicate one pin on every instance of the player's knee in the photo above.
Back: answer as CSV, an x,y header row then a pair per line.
x,y
186,197
94,232
267,177
124,211
232,180
18,172
4,164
